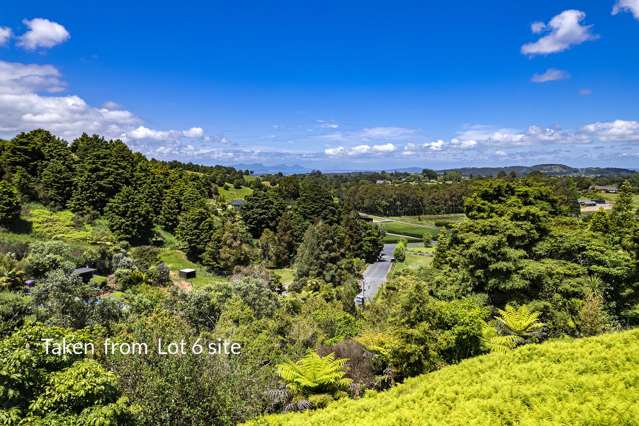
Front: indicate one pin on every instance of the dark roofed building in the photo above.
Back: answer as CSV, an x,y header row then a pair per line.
x,y
85,273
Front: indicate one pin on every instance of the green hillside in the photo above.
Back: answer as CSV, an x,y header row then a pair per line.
x,y
592,381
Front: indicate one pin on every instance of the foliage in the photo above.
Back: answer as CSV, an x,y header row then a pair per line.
x,y
230,246
262,211
399,253
9,204
45,256
587,381
130,217
314,374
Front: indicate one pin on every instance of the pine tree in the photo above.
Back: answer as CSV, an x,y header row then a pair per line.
x,y
130,217
9,204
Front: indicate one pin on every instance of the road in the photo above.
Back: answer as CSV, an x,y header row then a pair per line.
x,y
376,273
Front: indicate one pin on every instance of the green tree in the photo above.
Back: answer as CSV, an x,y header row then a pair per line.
x,y
9,204
262,211
129,217
623,215
315,201
57,183
399,253
231,245
290,232
194,231
322,254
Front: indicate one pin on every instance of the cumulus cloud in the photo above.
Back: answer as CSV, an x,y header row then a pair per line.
x,y
563,31
142,132
551,74
631,6
5,35
29,99
435,146
42,33
614,131
585,92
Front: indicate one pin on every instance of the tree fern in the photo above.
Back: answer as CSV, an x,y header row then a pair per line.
x,y
314,374
520,322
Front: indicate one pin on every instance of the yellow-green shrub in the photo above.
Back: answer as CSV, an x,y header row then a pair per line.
x,y
577,382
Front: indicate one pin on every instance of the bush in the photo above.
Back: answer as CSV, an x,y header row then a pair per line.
x,y
587,381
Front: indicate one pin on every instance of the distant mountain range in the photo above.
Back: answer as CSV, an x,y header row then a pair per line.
x,y
261,169
548,169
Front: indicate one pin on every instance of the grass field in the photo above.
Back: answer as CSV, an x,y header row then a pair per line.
x,y
413,228
592,381
612,198
233,193
176,260
416,257
286,275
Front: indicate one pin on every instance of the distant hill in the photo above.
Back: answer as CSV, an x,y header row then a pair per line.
x,y
548,169
578,382
261,169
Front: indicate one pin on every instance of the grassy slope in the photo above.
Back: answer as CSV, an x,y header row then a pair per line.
x,y
592,381
230,194
413,227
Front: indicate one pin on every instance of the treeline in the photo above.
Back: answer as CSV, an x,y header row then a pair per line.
x,y
408,200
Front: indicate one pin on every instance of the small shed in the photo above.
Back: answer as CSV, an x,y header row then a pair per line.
x,y
187,273
85,273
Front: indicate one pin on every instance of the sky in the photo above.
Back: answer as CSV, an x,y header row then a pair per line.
x,y
330,85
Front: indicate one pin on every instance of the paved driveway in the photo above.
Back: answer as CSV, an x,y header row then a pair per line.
x,y
376,273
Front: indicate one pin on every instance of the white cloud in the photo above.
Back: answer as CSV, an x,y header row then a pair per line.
x,y
551,74
5,35
16,78
361,150
389,147
194,132
334,151
42,33
500,153
614,131
585,92
564,31
142,132
26,103
463,144
631,6
435,146
327,124
537,27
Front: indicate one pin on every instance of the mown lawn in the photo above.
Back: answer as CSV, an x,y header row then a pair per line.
x,y
286,275
227,195
592,381
176,260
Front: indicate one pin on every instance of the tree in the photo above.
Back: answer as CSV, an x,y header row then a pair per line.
x,y
400,251
322,253
130,217
262,211
290,232
9,204
230,245
62,299
622,215
519,322
57,183
315,201
194,231
429,174
363,239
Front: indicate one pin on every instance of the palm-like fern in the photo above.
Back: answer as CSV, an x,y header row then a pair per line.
x,y
314,374
520,322
11,276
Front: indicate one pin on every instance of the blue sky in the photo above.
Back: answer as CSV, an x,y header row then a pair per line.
x,y
331,84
